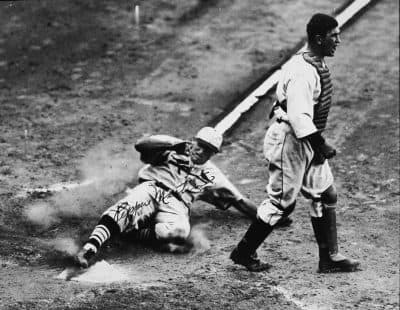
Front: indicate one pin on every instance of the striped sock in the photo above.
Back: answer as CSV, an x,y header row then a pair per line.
x,y
105,229
99,235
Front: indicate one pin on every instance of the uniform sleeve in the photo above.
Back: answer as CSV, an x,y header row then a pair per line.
x,y
300,104
155,149
156,143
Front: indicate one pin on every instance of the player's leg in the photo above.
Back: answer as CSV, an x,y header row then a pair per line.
x,y
245,252
137,206
330,258
172,227
175,229
323,219
169,230
286,170
103,231
269,150
172,232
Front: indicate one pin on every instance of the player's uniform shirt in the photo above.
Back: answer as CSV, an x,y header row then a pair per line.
x,y
167,190
301,96
290,158
187,180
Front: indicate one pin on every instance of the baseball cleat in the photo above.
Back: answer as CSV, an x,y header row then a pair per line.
x,y
345,265
249,261
83,257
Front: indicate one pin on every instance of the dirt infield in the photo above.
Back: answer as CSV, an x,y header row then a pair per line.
x,y
81,82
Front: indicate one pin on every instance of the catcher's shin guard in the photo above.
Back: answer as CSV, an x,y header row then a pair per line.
x,y
326,235
329,213
245,252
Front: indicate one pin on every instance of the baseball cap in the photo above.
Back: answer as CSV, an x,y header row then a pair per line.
x,y
210,137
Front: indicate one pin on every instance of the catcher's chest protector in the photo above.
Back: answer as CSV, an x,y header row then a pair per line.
x,y
321,109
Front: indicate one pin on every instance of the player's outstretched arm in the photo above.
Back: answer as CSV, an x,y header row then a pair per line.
x,y
247,207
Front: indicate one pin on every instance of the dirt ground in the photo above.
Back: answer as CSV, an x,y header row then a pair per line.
x,y
81,81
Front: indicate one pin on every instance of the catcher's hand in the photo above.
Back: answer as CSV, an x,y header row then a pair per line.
x,y
322,150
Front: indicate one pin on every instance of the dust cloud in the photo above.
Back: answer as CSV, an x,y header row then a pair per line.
x,y
199,239
41,214
105,172
66,245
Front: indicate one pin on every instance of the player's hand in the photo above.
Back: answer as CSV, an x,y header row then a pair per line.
x,y
322,150
318,158
327,151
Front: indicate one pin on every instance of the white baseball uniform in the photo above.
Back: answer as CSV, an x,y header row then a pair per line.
x,y
167,192
291,170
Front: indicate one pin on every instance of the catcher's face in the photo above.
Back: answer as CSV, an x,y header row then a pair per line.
x,y
200,153
330,42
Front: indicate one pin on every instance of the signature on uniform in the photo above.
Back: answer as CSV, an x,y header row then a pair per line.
x,y
193,184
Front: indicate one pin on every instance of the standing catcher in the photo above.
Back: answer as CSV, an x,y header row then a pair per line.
x,y
297,152
157,210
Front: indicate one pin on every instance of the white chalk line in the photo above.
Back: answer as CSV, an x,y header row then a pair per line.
x,y
289,297
54,188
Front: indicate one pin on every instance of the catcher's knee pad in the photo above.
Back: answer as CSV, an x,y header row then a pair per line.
x,y
319,209
329,196
172,231
270,214
316,209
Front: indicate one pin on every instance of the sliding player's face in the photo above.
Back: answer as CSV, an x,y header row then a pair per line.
x,y
200,152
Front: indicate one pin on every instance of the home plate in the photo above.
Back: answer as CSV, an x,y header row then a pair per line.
x,y
100,272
